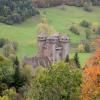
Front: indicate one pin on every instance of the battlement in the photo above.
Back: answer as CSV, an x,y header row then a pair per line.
x,y
51,49
64,39
42,37
56,46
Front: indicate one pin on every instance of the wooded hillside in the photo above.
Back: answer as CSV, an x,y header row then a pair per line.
x,y
16,11
48,3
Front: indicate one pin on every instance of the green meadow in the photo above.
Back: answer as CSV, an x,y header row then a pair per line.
x,y
61,20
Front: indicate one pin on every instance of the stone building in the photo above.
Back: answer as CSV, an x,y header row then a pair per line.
x,y
56,47
51,49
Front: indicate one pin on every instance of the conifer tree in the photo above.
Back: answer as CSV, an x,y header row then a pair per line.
x,y
67,59
76,60
19,81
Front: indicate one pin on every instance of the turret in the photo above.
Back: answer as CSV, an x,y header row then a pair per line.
x,y
64,40
58,54
51,47
41,44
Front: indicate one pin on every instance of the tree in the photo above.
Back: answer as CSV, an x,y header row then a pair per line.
x,y
16,11
91,78
75,29
67,59
60,82
76,60
88,32
6,74
88,6
87,48
85,24
45,28
91,83
19,81
81,47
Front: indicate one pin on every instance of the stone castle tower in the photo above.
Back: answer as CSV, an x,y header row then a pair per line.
x,y
55,47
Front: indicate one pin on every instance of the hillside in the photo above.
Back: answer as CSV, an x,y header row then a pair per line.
x,y
25,33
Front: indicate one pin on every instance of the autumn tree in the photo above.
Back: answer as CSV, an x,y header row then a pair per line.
x,y
44,27
91,78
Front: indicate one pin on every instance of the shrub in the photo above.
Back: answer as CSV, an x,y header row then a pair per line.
x,y
2,42
87,48
2,19
75,29
85,23
88,32
76,60
81,48
96,29
88,6
15,45
7,50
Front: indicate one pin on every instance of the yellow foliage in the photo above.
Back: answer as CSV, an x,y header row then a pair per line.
x,y
94,27
81,48
4,98
93,43
45,28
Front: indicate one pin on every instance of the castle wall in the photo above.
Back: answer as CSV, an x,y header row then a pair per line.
x,y
54,47
41,46
65,50
51,50
58,54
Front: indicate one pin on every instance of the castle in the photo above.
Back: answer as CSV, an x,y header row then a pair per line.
x,y
56,47
51,49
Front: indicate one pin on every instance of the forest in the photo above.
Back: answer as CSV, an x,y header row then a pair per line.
x,y
15,11
25,74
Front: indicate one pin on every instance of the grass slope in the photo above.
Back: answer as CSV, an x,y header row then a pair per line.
x,y
25,33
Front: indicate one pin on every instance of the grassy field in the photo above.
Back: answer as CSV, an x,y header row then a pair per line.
x,y
25,33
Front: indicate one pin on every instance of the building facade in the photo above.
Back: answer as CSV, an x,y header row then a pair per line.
x,y
55,47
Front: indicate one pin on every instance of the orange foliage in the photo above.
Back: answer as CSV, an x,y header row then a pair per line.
x,y
91,78
94,60
97,40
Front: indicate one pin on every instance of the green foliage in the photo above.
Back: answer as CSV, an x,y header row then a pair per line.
x,y
75,29
11,75
67,59
10,48
59,82
88,6
50,3
6,74
4,98
2,42
87,48
19,81
12,11
88,32
76,60
85,23
11,93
